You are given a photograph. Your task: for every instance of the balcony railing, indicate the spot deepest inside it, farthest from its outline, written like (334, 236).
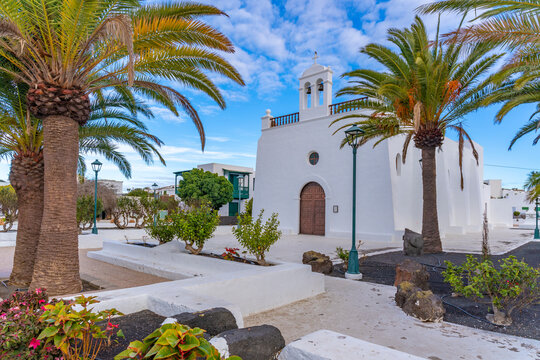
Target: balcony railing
(346, 106)
(241, 192)
(342, 107)
(285, 120)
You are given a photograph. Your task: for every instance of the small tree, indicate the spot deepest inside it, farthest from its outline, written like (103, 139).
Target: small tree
(256, 237)
(162, 230)
(8, 206)
(138, 192)
(200, 185)
(195, 226)
(85, 211)
(122, 211)
(511, 286)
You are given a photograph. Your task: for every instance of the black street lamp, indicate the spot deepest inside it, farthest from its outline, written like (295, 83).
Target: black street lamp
(96, 166)
(353, 136)
(155, 186)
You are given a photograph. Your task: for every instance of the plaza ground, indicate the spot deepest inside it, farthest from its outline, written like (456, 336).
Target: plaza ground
(359, 309)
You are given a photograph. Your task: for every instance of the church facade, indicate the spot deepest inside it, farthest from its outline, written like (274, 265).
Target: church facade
(304, 175)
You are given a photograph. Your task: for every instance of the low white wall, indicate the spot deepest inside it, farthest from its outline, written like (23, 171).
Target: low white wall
(242, 288)
(329, 345)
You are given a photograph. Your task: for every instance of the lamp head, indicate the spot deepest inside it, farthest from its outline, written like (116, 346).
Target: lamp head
(353, 135)
(96, 165)
(154, 186)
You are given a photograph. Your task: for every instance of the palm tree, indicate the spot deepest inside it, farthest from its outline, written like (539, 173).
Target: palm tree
(514, 25)
(510, 23)
(532, 186)
(424, 92)
(111, 122)
(67, 51)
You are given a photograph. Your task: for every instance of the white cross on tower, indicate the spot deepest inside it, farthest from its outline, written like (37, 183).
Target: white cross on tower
(315, 57)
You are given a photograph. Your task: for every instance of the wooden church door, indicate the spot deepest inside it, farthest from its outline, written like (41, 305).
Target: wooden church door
(312, 209)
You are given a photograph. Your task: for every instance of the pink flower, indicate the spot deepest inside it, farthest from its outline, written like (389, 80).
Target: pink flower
(43, 308)
(3, 316)
(111, 326)
(34, 343)
(39, 291)
(41, 301)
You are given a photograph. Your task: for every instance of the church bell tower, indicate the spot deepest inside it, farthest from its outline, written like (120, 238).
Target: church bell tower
(315, 91)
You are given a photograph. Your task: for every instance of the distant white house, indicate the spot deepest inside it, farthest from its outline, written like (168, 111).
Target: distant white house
(503, 203)
(242, 178)
(304, 175)
(166, 190)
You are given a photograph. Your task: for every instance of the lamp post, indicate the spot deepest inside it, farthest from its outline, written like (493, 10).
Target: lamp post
(536, 232)
(353, 135)
(96, 166)
(155, 186)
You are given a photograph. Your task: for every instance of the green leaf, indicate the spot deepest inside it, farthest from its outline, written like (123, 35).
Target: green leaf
(165, 352)
(48, 332)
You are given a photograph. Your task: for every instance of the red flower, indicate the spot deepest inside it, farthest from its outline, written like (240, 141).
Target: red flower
(34, 343)
(111, 326)
(41, 301)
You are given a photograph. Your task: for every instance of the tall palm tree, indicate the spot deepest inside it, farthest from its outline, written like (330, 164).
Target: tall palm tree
(425, 91)
(532, 186)
(67, 50)
(111, 122)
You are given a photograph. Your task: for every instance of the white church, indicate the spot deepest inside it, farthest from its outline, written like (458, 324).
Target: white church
(304, 176)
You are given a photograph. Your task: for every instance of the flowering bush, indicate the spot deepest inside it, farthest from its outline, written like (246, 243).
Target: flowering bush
(195, 226)
(20, 327)
(76, 333)
(173, 342)
(230, 253)
(511, 286)
(255, 236)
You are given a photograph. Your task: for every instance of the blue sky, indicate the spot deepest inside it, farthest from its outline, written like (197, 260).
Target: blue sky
(275, 41)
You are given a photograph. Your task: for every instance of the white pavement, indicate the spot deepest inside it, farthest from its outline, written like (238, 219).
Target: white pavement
(368, 312)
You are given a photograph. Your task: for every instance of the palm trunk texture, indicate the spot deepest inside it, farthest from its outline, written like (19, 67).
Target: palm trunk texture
(26, 177)
(430, 218)
(56, 266)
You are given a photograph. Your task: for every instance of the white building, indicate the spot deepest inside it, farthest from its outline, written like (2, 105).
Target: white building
(504, 202)
(242, 178)
(303, 175)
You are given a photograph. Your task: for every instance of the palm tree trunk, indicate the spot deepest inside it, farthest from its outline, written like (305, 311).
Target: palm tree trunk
(57, 261)
(26, 177)
(430, 219)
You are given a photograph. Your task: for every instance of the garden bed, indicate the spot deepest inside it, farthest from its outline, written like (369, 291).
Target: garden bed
(381, 269)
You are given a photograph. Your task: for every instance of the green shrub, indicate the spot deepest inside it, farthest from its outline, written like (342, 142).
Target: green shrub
(256, 237)
(198, 185)
(342, 254)
(511, 286)
(173, 342)
(161, 231)
(85, 211)
(248, 209)
(8, 206)
(73, 328)
(195, 226)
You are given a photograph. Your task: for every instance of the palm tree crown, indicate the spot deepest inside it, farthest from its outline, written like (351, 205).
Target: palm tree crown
(426, 89)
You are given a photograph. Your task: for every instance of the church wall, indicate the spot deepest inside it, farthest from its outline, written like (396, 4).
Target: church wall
(283, 170)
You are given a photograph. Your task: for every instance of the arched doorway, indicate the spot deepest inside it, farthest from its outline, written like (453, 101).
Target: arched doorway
(312, 209)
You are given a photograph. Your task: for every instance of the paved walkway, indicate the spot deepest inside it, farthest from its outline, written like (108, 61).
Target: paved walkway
(367, 311)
